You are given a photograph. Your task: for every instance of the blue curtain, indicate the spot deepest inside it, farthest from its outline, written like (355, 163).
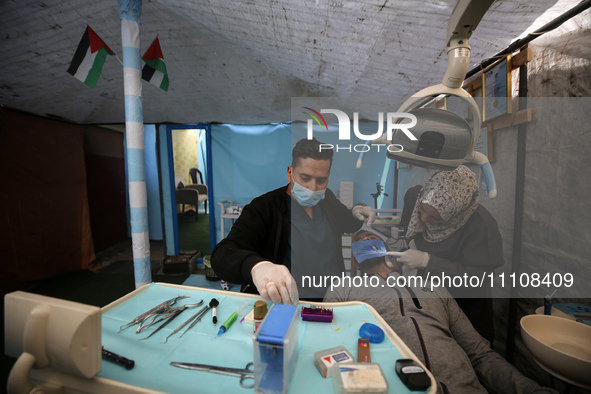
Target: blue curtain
(247, 161)
(152, 183)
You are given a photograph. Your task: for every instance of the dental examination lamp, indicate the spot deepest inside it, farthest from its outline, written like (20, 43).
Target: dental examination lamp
(445, 140)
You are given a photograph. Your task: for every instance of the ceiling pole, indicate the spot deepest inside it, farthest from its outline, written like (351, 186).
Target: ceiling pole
(130, 14)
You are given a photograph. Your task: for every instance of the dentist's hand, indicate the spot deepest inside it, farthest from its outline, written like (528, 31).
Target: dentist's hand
(365, 213)
(412, 258)
(275, 283)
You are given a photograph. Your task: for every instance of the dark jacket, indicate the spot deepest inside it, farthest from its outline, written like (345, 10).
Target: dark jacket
(438, 333)
(474, 249)
(262, 233)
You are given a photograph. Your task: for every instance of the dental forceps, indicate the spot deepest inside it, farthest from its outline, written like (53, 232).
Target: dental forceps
(173, 313)
(154, 311)
(197, 316)
(166, 310)
(244, 373)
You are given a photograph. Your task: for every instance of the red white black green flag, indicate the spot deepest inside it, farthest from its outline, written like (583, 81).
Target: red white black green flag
(89, 58)
(154, 70)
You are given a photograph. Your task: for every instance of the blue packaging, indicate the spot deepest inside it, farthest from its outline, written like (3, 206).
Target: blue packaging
(276, 349)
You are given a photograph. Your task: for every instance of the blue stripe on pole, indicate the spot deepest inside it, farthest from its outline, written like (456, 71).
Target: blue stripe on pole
(143, 270)
(134, 111)
(138, 218)
(132, 58)
(131, 10)
(136, 165)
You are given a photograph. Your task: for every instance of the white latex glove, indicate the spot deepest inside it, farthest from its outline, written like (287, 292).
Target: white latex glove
(365, 213)
(412, 258)
(275, 283)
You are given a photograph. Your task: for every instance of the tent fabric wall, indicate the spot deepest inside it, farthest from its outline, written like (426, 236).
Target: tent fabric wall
(152, 183)
(248, 161)
(170, 227)
(105, 178)
(202, 152)
(556, 225)
(45, 225)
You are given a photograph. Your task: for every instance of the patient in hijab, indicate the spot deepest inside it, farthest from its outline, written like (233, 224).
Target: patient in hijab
(431, 324)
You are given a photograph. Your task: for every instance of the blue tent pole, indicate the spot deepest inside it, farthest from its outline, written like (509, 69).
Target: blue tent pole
(210, 201)
(130, 14)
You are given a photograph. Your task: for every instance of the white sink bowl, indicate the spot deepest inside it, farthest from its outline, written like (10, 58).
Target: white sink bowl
(560, 346)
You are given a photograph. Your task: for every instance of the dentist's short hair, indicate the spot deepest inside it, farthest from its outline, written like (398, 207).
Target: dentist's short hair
(306, 148)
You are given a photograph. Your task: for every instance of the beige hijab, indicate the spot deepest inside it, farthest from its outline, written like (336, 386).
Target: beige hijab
(454, 194)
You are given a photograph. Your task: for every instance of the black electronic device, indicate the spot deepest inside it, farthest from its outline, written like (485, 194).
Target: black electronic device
(412, 375)
(430, 144)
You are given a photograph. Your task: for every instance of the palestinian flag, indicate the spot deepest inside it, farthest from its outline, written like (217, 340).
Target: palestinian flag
(89, 58)
(154, 70)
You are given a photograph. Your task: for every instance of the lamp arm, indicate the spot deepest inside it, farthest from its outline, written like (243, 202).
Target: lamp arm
(488, 182)
(464, 19)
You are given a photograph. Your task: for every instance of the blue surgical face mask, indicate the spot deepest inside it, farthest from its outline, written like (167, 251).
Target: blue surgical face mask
(306, 197)
(368, 249)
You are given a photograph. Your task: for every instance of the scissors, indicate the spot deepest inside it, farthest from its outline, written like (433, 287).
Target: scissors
(244, 373)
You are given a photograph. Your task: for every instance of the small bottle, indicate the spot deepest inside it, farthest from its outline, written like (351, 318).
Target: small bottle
(260, 310)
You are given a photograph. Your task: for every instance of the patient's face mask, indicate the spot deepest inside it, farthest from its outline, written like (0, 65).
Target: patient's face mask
(306, 197)
(368, 249)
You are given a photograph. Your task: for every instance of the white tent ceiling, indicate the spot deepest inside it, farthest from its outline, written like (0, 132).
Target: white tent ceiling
(243, 61)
